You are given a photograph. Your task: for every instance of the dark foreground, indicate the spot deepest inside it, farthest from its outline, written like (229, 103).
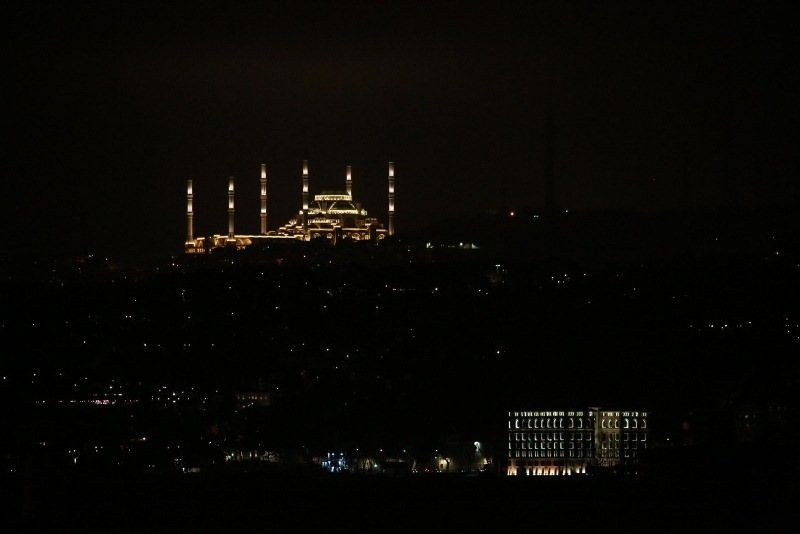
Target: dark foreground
(227, 502)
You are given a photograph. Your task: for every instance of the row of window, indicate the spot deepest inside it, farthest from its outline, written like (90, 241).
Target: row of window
(548, 454)
(549, 436)
(626, 436)
(576, 436)
(625, 446)
(617, 453)
(550, 445)
(551, 422)
(552, 454)
(627, 422)
(577, 422)
(606, 454)
(547, 414)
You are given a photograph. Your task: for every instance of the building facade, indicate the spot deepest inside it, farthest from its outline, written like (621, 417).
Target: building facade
(573, 442)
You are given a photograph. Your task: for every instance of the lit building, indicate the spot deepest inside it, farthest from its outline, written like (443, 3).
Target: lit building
(332, 215)
(570, 442)
(248, 399)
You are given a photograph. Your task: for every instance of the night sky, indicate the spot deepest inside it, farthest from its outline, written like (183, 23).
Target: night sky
(109, 109)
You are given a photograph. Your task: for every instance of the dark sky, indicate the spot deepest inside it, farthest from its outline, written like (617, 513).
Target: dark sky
(109, 109)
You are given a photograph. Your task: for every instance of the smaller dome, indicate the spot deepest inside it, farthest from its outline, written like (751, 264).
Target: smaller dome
(342, 205)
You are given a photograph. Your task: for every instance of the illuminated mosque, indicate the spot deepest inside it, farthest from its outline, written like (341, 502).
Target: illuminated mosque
(333, 215)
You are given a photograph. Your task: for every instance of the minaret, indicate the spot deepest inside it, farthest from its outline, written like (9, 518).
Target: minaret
(305, 195)
(189, 213)
(231, 209)
(391, 199)
(263, 199)
(349, 180)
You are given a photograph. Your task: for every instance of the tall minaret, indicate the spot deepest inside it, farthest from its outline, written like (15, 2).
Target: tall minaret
(349, 180)
(391, 199)
(230, 207)
(305, 195)
(189, 213)
(263, 199)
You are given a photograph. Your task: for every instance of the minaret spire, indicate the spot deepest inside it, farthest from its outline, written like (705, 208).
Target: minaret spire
(189, 213)
(392, 222)
(349, 180)
(305, 196)
(263, 214)
(231, 209)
